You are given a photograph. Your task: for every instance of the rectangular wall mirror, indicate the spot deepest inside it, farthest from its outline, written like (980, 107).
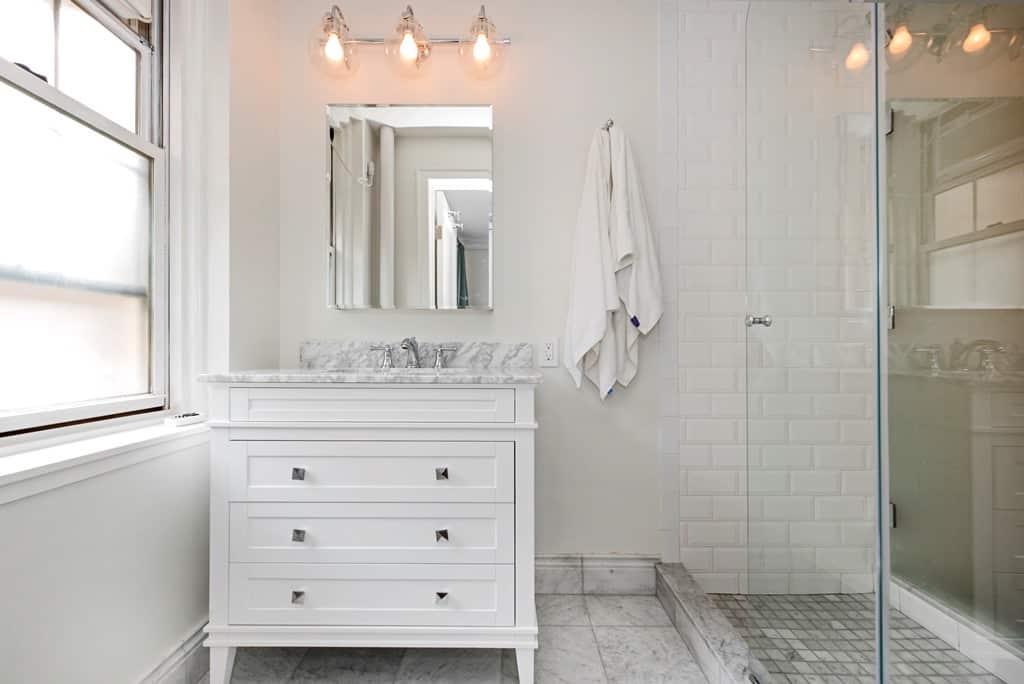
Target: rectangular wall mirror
(411, 211)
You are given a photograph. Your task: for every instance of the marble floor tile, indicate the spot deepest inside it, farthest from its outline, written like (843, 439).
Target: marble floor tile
(450, 666)
(626, 611)
(509, 669)
(265, 665)
(349, 665)
(646, 655)
(561, 609)
(568, 655)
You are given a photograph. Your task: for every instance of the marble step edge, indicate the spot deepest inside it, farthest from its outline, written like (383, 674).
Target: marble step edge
(721, 652)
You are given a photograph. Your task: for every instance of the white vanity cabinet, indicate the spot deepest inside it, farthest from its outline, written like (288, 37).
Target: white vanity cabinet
(395, 512)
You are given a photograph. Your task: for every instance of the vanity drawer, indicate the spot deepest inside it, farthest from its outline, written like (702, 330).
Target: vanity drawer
(407, 595)
(472, 472)
(372, 533)
(373, 404)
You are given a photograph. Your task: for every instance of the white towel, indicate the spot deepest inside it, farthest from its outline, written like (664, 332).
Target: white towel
(593, 296)
(615, 287)
(637, 276)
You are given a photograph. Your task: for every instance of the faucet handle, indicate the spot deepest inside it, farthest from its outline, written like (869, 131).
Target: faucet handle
(988, 353)
(439, 353)
(387, 361)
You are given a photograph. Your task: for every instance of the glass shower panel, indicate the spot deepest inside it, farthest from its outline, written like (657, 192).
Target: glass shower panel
(811, 329)
(954, 183)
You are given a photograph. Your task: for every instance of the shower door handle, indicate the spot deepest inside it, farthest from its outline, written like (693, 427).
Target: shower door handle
(766, 321)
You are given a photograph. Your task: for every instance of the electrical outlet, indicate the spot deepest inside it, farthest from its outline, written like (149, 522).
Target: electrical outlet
(549, 353)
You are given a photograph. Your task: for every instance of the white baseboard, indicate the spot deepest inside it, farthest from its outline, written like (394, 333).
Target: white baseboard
(186, 663)
(957, 631)
(595, 574)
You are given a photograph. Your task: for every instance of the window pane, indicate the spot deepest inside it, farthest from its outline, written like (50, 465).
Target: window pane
(26, 34)
(96, 67)
(74, 260)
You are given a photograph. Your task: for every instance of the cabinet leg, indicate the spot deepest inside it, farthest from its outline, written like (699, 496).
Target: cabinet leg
(524, 662)
(222, 661)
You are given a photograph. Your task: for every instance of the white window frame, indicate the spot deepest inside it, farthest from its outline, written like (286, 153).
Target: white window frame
(150, 85)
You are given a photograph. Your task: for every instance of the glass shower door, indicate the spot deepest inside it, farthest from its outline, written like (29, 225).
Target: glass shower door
(809, 183)
(954, 211)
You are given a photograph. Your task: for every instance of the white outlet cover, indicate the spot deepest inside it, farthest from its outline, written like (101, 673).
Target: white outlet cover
(548, 354)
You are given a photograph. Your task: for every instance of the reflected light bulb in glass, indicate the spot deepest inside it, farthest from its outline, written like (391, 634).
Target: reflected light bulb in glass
(333, 49)
(978, 39)
(481, 48)
(408, 49)
(857, 57)
(901, 40)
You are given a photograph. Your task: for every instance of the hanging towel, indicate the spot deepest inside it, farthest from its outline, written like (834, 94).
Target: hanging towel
(588, 347)
(463, 281)
(637, 276)
(615, 288)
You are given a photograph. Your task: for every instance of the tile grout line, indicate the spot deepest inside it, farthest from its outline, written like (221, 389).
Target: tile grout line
(593, 633)
(298, 664)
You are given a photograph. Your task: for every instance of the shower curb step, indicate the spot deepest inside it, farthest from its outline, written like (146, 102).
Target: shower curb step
(719, 649)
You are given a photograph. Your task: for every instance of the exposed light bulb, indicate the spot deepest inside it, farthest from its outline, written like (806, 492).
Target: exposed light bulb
(857, 57)
(481, 48)
(408, 49)
(978, 38)
(901, 40)
(333, 49)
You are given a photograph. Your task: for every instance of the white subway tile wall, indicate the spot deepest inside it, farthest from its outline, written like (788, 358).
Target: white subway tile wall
(765, 205)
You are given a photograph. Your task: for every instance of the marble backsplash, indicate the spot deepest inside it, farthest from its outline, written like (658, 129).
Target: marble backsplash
(335, 354)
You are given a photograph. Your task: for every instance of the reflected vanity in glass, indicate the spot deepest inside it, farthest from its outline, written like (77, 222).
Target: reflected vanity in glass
(955, 192)
(411, 211)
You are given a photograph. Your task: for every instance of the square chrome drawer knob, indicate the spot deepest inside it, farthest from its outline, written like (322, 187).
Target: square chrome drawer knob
(440, 474)
(441, 535)
(298, 473)
(441, 597)
(298, 535)
(298, 597)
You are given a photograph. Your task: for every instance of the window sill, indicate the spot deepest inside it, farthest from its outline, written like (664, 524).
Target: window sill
(35, 470)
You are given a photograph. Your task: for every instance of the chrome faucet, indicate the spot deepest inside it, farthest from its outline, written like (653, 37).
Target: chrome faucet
(959, 354)
(385, 362)
(412, 352)
(439, 353)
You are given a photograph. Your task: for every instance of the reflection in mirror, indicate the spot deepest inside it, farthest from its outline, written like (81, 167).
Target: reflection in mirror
(411, 210)
(956, 203)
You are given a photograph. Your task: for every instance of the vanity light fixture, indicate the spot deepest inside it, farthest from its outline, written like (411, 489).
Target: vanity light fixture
(333, 47)
(963, 28)
(979, 36)
(900, 38)
(858, 56)
(409, 49)
(900, 41)
(481, 51)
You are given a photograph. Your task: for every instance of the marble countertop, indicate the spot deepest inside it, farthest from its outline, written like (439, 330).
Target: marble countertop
(1008, 379)
(405, 376)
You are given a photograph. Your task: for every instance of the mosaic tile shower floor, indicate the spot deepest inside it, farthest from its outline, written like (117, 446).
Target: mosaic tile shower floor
(829, 639)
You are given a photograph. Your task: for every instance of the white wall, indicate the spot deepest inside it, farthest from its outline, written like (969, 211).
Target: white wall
(572, 65)
(105, 577)
(255, 216)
